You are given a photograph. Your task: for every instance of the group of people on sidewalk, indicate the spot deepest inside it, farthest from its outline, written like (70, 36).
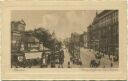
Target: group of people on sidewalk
(101, 58)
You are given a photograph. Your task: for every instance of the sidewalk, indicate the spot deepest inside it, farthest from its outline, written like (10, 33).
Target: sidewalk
(105, 62)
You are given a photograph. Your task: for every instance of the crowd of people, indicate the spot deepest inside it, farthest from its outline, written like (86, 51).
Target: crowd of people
(47, 58)
(99, 55)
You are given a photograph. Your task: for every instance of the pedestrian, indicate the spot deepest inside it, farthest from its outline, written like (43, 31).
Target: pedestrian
(68, 64)
(29, 63)
(59, 66)
(103, 54)
(14, 61)
(109, 56)
(104, 66)
(111, 64)
(52, 65)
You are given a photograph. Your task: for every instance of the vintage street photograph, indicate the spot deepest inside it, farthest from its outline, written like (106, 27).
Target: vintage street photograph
(64, 80)
(64, 39)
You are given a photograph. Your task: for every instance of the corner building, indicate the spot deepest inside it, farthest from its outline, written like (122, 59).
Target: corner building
(103, 33)
(17, 30)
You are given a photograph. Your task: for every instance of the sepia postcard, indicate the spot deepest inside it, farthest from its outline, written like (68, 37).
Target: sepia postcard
(64, 80)
(64, 40)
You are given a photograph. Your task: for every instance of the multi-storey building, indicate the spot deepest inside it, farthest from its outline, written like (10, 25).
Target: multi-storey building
(89, 39)
(17, 30)
(103, 33)
(30, 42)
(83, 39)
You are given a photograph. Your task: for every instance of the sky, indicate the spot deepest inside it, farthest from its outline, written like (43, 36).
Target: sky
(62, 22)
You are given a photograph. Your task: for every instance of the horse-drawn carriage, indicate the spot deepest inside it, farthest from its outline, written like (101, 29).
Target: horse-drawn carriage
(76, 60)
(45, 60)
(75, 55)
(18, 59)
(57, 58)
(94, 63)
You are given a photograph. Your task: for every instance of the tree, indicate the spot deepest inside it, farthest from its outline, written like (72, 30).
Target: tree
(46, 38)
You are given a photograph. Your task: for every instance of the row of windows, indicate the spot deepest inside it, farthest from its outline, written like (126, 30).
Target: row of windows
(109, 16)
(19, 27)
(109, 19)
(106, 31)
(108, 22)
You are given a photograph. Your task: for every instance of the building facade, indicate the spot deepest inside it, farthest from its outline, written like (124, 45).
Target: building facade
(83, 39)
(89, 37)
(17, 30)
(103, 33)
(30, 42)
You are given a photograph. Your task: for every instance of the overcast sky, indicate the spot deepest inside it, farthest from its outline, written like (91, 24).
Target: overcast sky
(61, 22)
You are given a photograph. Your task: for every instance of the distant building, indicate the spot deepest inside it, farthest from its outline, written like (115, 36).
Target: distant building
(89, 37)
(17, 30)
(103, 33)
(83, 39)
(18, 26)
(75, 44)
(75, 37)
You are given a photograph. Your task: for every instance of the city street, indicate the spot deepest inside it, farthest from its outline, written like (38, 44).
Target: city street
(86, 56)
(66, 58)
(53, 46)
